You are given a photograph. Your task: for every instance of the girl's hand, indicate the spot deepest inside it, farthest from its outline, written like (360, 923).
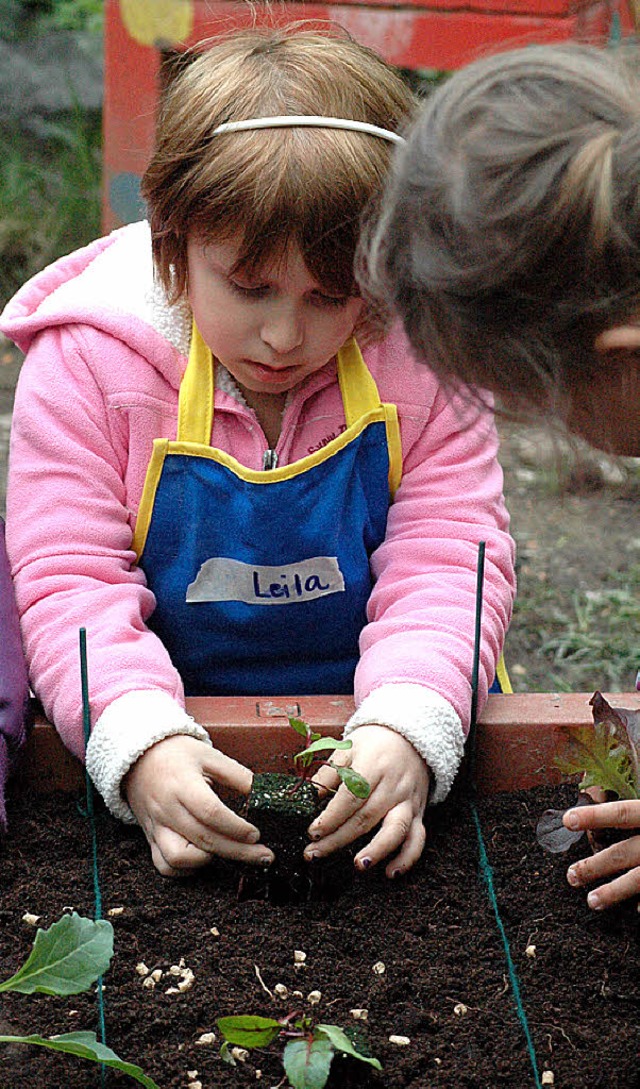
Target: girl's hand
(399, 781)
(622, 856)
(169, 790)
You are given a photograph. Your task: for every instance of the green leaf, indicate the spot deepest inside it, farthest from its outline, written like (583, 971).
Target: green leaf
(249, 1031)
(621, 723)
(341, 1042)
(596, 754)
(85, 1046)
(65, 959)
(353, 781)
(301, 728)
(307, 1062)
(322, 744)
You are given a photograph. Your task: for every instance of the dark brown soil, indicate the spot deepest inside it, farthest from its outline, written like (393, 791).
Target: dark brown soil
(446, 983)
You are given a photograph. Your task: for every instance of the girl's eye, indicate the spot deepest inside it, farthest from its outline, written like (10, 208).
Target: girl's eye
(249, 292)
(329, 301)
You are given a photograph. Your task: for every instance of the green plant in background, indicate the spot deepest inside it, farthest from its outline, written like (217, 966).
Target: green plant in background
(75, 15)
(309, 1048)
(19, 18)
(66, 959)
(599, 632)
(50, 187)
(49, 199)
(593, 632)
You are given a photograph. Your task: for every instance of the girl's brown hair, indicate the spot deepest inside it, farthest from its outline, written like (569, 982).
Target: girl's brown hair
(509, 237)
(272, 187)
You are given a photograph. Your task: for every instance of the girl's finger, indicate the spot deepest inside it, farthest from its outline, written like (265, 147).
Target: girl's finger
(182, 850)
(615, 892)
(393, 832)
(226, 771)
(205, 810)
(174, 856)
(410, 852)
(342, 831)
(620, 814)
(345, 810)
(620, 856)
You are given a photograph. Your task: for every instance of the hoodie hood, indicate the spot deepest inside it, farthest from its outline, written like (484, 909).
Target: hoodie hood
(109, 285)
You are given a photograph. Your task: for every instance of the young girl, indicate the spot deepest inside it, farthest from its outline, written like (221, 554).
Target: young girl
(509, 242)
(208, 475)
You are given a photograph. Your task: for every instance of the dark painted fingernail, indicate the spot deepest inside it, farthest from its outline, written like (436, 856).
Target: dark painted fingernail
(365, 863)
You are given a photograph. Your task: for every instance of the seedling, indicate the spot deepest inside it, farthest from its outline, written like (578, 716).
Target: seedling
(309, 1048)
(282, 806)
(66, 959)
(309, 759)
(607, 757)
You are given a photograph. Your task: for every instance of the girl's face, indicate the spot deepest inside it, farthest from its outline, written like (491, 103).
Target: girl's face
(270, 330)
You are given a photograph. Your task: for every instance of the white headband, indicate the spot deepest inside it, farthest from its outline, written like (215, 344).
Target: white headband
(308, 121)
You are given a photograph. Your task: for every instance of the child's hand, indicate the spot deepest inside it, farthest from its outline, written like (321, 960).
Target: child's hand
(186, 823)
(624, 855)
(399, 781)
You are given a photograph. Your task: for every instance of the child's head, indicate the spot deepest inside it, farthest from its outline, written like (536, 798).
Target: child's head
(276, 188)
(509, 239)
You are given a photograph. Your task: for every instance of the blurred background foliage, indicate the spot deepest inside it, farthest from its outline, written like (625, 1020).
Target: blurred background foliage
(22, 17)
(49, 173)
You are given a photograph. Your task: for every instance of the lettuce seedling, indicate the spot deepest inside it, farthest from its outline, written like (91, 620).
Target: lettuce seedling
(309, 1048)
(66, 959)
(605, 756)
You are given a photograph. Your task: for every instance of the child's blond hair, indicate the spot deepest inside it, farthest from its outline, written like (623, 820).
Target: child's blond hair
(510, 234)
(272, 187)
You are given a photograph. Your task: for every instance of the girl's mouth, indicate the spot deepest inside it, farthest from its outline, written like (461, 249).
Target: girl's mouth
(272, 374)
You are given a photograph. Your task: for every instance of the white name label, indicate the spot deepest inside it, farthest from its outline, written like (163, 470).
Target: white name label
(223, 579)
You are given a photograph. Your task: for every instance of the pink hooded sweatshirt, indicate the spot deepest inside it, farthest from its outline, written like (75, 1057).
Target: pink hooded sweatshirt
(105, 355)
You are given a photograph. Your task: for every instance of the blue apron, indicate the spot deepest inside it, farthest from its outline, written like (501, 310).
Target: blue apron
(262, 578)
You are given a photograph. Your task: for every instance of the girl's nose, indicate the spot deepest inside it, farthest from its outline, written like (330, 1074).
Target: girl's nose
(283, 330)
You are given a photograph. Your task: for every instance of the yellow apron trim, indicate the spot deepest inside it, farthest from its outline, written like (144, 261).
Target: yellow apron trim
(151, 481)
(359, 395)
(357, 385)
(394, 446)
(197, 390)
(503, 678)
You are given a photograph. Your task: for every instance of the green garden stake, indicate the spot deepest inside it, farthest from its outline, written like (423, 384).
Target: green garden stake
(615, 33)
(484, 864)
(97, 895)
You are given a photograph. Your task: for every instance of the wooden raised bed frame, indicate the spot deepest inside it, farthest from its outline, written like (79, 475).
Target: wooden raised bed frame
(517, 737)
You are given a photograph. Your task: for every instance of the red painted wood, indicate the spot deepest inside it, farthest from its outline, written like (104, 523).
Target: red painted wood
(440, 34)
(518, 735)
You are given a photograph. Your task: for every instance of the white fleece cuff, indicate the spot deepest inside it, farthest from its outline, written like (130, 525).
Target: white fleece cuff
(127, 728)
(426, 719)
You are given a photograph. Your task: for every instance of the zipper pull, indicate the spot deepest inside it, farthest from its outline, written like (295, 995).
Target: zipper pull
(270, 460)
